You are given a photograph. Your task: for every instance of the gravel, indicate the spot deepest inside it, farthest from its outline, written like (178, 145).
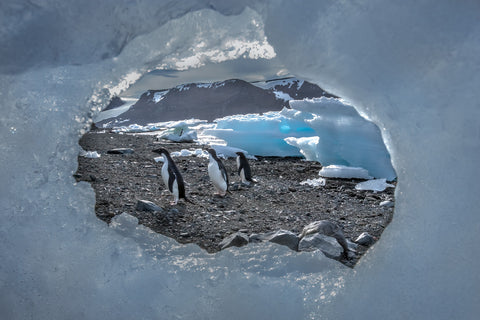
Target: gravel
(277, 201)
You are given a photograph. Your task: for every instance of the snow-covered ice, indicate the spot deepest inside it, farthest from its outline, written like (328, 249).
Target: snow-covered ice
(340, 171)
(374, 185)
(411, 67)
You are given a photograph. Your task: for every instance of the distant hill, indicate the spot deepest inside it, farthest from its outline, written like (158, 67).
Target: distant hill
(209, 101)
(115, 102)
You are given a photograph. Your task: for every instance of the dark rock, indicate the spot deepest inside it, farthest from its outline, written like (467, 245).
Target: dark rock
(283, 237)
(120, 151)
(145, 205)
(237, 239)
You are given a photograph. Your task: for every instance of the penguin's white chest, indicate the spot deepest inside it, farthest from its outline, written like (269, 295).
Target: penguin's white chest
(216, 176)
(242, 172)
(165, 174)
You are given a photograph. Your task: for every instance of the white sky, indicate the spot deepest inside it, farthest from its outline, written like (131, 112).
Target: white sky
(241, 68)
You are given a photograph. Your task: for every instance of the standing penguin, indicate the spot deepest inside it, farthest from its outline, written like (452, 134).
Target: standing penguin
(244, 168)
(218, 173)
(171, 176)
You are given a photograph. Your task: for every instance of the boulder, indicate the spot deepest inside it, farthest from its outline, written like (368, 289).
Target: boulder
(327, 228)
(328, 245)
(282, 237)
(237, 239)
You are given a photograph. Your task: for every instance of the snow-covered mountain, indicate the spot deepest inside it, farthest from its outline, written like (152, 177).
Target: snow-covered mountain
(209, 101)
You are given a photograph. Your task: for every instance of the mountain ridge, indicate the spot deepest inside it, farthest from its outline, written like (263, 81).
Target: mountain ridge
(209, 101)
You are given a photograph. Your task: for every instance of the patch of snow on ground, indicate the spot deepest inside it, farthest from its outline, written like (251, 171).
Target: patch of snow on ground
(374, 185)
(314, 182)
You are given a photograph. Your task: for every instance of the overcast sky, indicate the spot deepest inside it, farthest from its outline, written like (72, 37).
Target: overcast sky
(245, 69)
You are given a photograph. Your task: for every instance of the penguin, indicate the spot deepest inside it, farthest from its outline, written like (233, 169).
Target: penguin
(218, 173)
(244, 168)
(171, 176)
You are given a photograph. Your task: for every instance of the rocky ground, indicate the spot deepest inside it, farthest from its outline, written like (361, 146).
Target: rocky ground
(277, 201)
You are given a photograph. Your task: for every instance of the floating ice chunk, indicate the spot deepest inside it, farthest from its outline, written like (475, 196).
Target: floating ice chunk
(319, 182)
(374, 185)
(307, 146)
(340, 171)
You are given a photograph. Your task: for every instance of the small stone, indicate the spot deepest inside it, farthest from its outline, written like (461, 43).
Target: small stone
(365, 239)
(387, 204)
(120, 151)
(145, 205)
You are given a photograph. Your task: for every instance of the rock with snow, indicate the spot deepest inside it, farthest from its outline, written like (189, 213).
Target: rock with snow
(387, 203)
(365, 239)
(327, 228)
(374, 185)
(237, 239)
(120, 151)
(328, 245)
(145, 205)
(283, 237)
(90, 154)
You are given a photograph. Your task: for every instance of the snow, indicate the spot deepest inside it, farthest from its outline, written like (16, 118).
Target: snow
(345, 172)
(107, 114)
(415, 73)
(374, 185)
(282, 95)
(280, 82)
(90, 154)
(318, 182)
(158, 96)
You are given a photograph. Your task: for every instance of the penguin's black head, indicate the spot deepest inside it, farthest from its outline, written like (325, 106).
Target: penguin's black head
(239, 153)
(161, 151)
(212, 152)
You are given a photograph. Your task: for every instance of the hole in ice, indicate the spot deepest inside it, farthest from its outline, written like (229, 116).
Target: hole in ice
(288, 194)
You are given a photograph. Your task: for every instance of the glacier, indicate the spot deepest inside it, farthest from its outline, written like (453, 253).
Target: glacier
(411, 67)
(323, 129)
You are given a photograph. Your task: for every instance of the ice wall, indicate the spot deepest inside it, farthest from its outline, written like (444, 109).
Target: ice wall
(411, 66)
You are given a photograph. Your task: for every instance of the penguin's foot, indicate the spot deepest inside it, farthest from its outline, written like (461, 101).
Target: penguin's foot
(219, 195)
